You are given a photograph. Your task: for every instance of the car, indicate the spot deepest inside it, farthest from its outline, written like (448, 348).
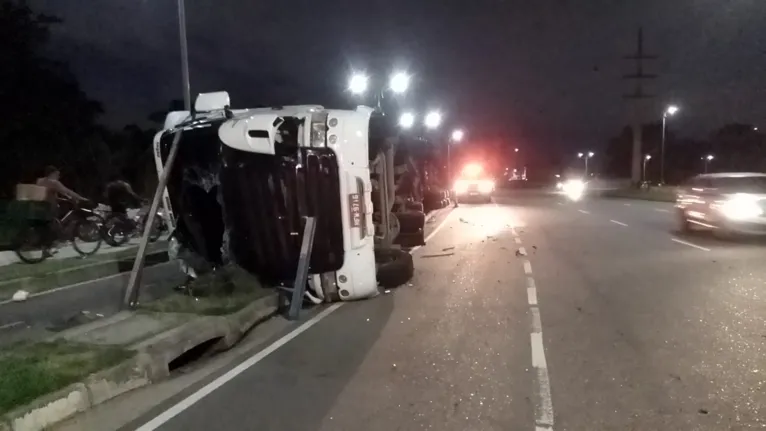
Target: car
(474, 184)
(733, 202)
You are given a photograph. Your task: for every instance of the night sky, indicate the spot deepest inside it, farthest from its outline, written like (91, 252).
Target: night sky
(536, 73)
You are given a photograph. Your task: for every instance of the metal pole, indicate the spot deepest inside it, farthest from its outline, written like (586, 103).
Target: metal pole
(706, 164)
(586, 166)
(644, 171)
(449, 165)
(131, 291)
(662, 151)
(184, 55)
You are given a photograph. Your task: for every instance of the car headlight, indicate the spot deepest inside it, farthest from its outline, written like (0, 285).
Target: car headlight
(574, 189)
(741, 207)
(486, 186)
(461, 186)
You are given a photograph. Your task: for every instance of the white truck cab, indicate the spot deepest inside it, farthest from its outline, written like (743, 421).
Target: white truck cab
(271, 159)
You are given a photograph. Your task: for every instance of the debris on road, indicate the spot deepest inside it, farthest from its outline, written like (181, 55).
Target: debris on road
(20, 295)
(448, 248)
(428, 256)
(520, 253)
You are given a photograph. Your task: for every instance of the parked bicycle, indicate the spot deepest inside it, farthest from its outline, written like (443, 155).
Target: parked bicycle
(80, 226)
(119, 228)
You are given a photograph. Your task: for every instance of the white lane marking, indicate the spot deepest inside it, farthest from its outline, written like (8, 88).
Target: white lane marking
(662, 210)
(584, 212)
(71, 286)
(518, 240)
(192, 399)
(11, 325)
(618, 222)
(689, 244)
(537, 325)
(627, 205)
(545, 409)
(559, 203)
(527, 267)
(544, 401)
(522, 251)
(538, 351)
(216, 384)
(532, 295)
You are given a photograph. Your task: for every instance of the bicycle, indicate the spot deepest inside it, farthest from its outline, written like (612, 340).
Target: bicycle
(79, 225)
(119, 228)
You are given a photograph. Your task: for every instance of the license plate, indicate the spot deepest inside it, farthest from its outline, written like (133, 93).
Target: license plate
(355, 209)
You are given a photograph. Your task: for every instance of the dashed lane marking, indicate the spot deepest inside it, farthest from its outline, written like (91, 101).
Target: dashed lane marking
(619, 223)
(698, 247)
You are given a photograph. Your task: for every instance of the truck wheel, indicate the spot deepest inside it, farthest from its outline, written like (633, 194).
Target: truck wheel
(394, 267)
(411, 221)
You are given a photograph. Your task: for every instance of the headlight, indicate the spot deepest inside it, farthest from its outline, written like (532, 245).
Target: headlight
(486, 186)
(461, 186)
(574, 189)
(741, 207)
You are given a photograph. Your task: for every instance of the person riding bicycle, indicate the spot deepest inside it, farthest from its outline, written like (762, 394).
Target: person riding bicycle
(120, 196)
(56, 189)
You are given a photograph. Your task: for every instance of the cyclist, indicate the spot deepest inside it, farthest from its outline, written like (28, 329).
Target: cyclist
(120, 196)
(55, 189)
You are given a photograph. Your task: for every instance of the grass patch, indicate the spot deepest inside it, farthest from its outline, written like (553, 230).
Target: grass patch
(42, 269)
(666, 194)
(31, 370)
(227, 291)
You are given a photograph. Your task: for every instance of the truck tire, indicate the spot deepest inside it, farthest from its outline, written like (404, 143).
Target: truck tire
(394, 267)
(414, 206)
(411, 221)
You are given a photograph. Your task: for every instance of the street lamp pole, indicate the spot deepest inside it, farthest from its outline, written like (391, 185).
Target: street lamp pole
(670, 110)
(646, 159)
(707, 160)
(585, 156)
(184, 55)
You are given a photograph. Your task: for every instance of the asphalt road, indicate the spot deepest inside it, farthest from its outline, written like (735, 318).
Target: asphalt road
(608, 323)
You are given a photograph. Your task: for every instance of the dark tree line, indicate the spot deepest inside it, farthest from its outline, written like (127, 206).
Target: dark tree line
(735, 147)
(47, 119)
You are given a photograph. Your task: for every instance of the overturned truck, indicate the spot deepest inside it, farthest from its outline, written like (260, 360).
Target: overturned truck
(245, 180)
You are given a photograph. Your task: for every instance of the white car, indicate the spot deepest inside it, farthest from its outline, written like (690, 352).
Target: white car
(732, 202)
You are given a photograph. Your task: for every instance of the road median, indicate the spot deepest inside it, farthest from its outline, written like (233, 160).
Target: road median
(129, 350)
(53, 274)
(657, 194)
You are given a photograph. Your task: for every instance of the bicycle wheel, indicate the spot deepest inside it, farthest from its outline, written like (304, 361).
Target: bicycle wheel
(31, 244)
(115, 231)
(86, 236)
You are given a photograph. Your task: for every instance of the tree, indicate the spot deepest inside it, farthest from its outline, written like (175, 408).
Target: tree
(46, 117)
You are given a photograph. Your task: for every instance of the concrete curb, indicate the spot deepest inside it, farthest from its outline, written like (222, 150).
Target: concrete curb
(149, 365)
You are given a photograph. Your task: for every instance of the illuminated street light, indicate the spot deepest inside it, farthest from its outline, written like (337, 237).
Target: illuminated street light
(407, 120)
(457, 135)
(516, 150)
(400, 82)
(433, 120)
(669, 112)
(358, 83)
(586, 157)
(647, 157)
(707, 160)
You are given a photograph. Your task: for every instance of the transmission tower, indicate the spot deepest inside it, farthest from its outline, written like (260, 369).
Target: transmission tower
(636, 100)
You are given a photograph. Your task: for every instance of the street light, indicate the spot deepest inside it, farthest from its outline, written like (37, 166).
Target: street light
(647, 157)
(433, 120)
(516, 150)
(399, 83)
(586, 157)
(707, 160)
(407, 120)
(669, 111)
(457, 135)
(358, 83)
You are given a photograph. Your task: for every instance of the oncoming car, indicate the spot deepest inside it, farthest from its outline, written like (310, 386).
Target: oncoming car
(473, 183)
(724, 202)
